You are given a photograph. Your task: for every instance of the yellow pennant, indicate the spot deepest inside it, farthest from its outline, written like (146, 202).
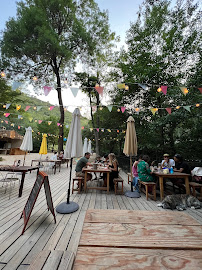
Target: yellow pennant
(121, 86)
(154, 110)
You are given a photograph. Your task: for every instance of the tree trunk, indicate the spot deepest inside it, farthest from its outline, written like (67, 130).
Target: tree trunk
(62, 115)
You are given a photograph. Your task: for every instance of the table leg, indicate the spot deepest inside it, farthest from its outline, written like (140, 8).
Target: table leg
(60, 166)
(55, 168)
(187, 185)
(85, 179)
(108, 183)
(161, 188)
(21, 184)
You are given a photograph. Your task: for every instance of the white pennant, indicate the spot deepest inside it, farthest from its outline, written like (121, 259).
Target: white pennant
(74, 91)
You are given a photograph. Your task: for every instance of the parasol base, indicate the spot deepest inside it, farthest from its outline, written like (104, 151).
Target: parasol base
(132, 194)
(67, 208)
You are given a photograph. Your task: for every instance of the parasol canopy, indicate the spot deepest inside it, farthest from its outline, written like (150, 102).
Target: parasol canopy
(85, 146)
(130, 145)
(89, 147)
(43, 148)
(74, 146)
(27, 144)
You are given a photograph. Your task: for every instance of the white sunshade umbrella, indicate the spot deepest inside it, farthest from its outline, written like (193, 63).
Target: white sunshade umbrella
(27, 143)
(85, 146)
(74, 148)
(89, 147)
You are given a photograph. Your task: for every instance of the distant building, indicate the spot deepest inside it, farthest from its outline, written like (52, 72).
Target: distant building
(10, 142)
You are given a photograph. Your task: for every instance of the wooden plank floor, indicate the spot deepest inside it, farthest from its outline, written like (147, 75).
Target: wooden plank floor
(17, 252)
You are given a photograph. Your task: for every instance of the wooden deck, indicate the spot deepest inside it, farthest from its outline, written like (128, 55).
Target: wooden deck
(42, 234)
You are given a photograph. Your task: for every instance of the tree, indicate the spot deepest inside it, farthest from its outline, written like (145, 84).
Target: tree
(48, 37)
(164, 47)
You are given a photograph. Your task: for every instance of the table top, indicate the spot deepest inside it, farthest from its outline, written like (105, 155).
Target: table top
(18, 169)
(99, 169)
(46, 160)
(170, 174)
(126, 239)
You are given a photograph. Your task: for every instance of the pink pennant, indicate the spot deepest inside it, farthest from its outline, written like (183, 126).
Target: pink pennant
(51, 107)
(18, 127)
(200, 89)
(6, 122)
(7, 114)
(168, 110)
(123, 109)
(47, 90)
(97, 129)
(27, 108)
(40, 121)
(99, 89)
(164, 89)
(82, 127)
(58, 124)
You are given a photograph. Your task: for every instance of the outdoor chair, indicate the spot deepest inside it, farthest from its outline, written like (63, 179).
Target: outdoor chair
(9, 179)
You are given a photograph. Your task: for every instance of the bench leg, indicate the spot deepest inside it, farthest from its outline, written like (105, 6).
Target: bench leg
(122, 187)
(154, 192)
(147, 192)
(194, 191)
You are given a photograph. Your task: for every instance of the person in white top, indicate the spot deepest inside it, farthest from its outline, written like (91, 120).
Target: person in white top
(167, 162)
(54, 156)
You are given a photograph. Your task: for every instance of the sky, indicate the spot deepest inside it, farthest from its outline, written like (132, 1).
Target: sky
(120, 14)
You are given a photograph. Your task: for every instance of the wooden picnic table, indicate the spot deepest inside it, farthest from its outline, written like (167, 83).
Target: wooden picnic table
(126, 239)
(17, 169)
(100, 169)
(163, 176)
(56, 162)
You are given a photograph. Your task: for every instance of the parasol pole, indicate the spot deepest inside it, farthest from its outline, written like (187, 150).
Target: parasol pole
(131, 171)
(24, 158)
(70, 177)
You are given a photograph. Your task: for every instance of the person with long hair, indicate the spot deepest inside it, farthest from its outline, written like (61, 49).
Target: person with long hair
(113, 165)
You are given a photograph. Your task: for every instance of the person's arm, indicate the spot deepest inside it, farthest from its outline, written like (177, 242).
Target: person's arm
(148, 169)
(180, 170)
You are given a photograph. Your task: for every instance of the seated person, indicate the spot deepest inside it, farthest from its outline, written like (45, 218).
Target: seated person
(143, 170)
(113, 165)
(181, 167)
(106, 159)
(61, 155)
(82, 163)
(54, 156)
(167, 162)
(135, 174)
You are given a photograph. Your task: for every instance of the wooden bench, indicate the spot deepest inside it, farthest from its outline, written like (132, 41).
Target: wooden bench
(116, 185)
(53, 260)
(80, 181)
(147, 185)
(129, 177)
(193, 186)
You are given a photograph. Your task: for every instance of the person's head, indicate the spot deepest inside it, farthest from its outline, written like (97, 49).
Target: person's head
(178, 158)
(106, 156)
(166, 157)
(55, 153)
(87, 155)
(146, 158)
(140, 157)
(98, 158)
(112, 158)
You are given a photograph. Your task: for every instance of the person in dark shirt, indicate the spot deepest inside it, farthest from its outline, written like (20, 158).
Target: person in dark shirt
(83, 162)
(180, 165)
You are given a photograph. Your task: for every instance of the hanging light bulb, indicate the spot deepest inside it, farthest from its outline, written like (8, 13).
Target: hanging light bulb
(118, 110)
(137, 109)
(101, 108)
(3, 74)
(159, 89)
(35, 78)
(34, 108)
(97, 85)
(126, 87)
(197, 105)
(4, 106)
(177, 107)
